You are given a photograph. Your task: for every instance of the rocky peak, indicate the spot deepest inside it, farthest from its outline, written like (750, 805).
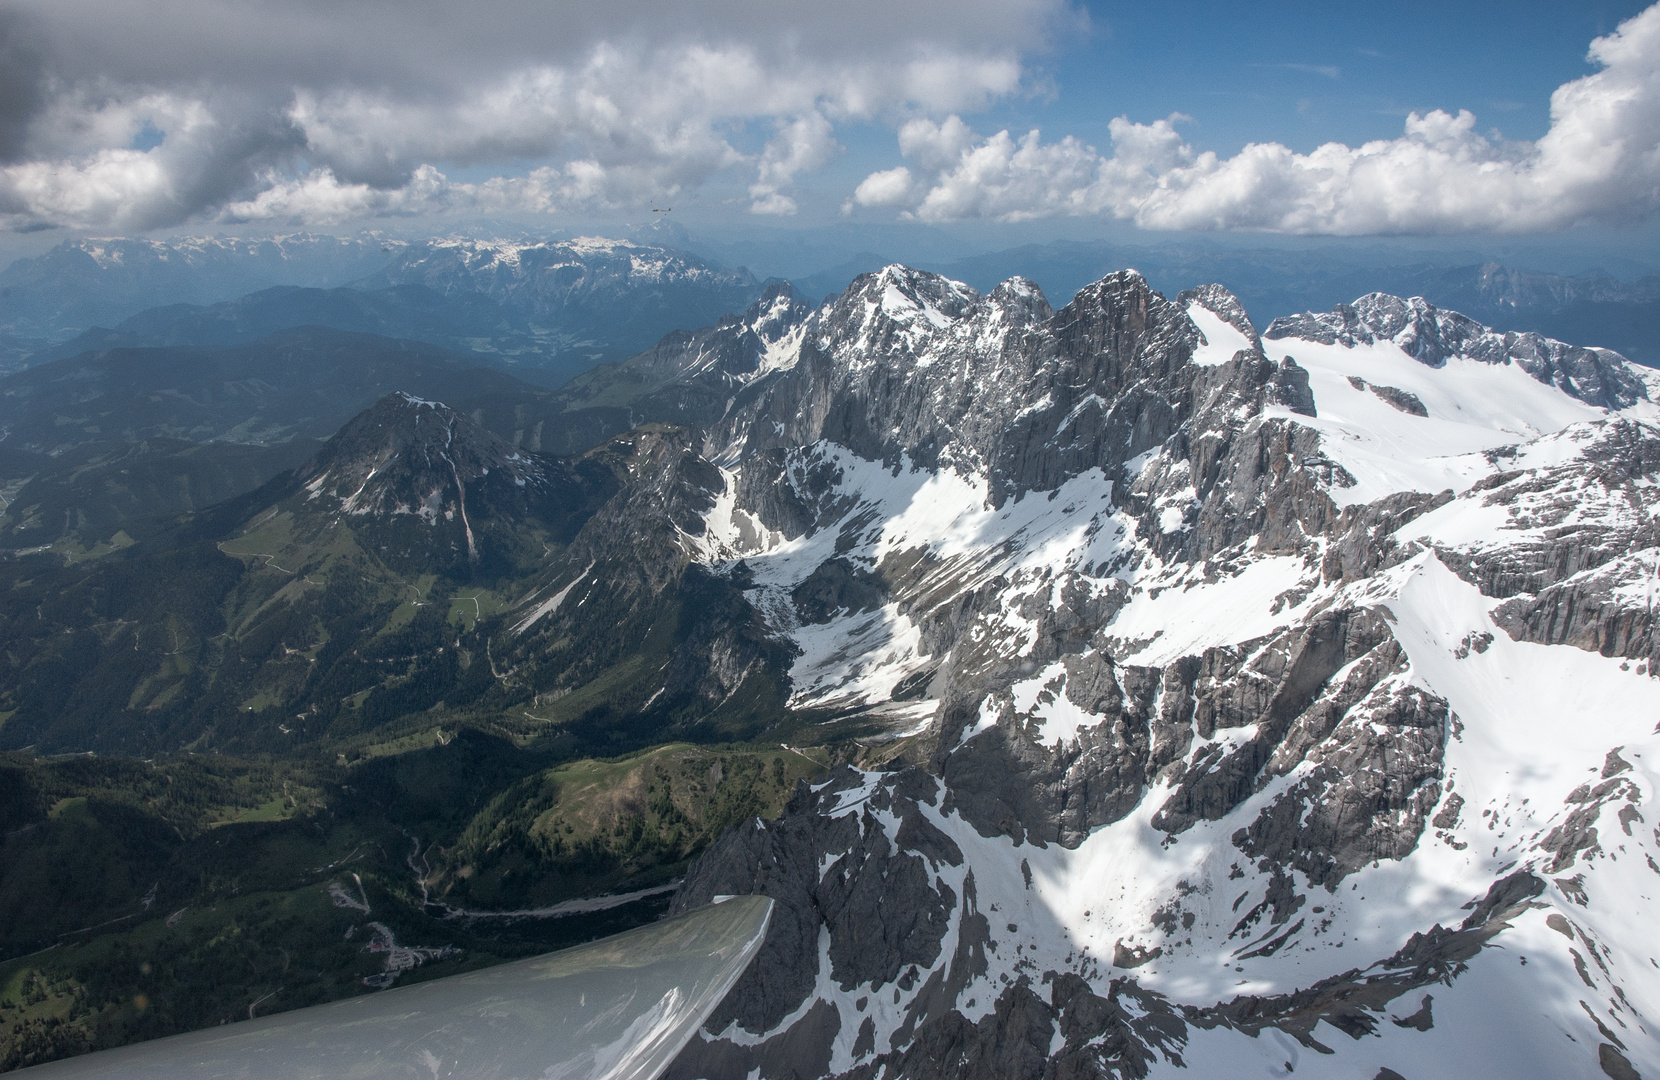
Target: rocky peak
(776, 314)
(407, 455)
(894, 309)
(1113, 326)
(1417, 326)
(1022, 295)
(1217, 300)
(909, 364)
(736, 349)
(902, 292)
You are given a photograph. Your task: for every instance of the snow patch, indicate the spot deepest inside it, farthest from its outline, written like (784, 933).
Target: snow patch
(1219, 339)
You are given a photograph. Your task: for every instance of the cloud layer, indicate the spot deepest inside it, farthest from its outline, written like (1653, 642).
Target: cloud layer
(316, 112)
(131, 117)
(1600, 161)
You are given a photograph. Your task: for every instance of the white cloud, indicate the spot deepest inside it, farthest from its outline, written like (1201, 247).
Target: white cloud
(319, 197)
(290, 108)
(122, 187)
(936, 146)
(1600, 161)
(802, 145)
(891, 187)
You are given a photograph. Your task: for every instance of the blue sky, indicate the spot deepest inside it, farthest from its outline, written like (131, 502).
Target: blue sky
(242, 115)
(1306, 73)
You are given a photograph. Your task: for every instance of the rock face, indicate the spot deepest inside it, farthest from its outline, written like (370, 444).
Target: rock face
(408, 459)
(408, 455)
(1222, 690)
(1245, 684)
(1230, 689)
(691, 376)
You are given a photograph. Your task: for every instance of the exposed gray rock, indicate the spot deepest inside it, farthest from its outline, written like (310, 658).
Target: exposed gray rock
(1361, 540)
(1568, 578)
(1322, 721)
(1403, 400)
(1100, 1036)
(1291, 388)
(1368, 795)
(1007, 782)
(1035, 396)
(691, 377)
(880, 905)
(1615, 1064)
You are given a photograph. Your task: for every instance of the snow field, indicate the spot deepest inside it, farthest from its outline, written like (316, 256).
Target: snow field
(1473, 407)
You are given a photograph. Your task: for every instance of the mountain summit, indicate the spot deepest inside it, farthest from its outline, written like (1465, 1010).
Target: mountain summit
(407, 455)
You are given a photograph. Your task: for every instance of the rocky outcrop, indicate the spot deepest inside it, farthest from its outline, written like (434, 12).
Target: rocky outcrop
(630, 587)
(857, 910)
(690, 377)
(410, 462)
(1578, 566)
(394, 457)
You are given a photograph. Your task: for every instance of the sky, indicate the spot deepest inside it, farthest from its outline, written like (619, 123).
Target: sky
(1029, 117)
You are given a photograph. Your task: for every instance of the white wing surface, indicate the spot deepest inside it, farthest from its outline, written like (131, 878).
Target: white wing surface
(616, 1009)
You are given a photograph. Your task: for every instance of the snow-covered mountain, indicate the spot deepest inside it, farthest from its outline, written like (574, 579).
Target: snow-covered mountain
(1269, 702)
(689, 377)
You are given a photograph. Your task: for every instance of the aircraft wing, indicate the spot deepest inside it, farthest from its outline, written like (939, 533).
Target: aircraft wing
(616, 1009)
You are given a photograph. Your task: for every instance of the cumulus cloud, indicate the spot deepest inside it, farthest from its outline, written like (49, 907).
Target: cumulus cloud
(315, 110)
(803, 145)
(1600, 161)
(890, 187)
(319, 197)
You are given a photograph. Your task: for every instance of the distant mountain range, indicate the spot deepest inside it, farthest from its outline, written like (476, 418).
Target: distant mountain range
(99, 282)
(552, 308)
(303, 382)
(467, 321)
